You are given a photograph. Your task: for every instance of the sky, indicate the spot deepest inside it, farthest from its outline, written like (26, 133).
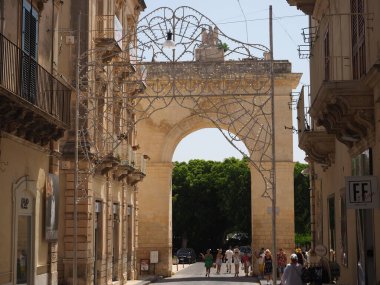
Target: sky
(246, 21)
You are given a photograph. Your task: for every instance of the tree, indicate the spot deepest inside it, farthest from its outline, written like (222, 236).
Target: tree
(301, 200)
(210, 199)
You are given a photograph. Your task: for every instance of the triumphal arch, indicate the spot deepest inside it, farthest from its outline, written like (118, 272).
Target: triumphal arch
(193, 76)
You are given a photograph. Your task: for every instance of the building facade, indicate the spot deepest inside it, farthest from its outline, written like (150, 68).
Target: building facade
(69, 211)
(338, 122)
(35, 113)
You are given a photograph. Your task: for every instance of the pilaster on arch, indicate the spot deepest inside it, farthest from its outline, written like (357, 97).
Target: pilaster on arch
(261, 207)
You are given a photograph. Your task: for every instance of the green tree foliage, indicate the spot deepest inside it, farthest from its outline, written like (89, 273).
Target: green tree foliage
(210, 199)
(301, 200)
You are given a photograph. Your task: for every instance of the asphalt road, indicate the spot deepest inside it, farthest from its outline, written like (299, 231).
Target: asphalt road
(195, 274)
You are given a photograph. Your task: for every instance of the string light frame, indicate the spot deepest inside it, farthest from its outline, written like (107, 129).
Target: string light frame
(120, 88)
(220, 79)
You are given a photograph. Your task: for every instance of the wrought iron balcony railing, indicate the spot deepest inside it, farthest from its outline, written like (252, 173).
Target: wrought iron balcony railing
(23, 77)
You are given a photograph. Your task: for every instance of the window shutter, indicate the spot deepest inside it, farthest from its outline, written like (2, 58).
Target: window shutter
(30, 52)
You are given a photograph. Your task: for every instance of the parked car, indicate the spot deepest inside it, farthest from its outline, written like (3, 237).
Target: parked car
(186, 255)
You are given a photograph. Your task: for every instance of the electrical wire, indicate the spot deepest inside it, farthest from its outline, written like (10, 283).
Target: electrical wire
(245, 20)
(260, 19)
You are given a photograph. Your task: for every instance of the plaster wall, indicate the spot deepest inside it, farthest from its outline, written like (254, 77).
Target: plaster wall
(22, 159)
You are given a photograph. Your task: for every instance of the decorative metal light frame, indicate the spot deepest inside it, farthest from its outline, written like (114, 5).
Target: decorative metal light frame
(233, 89)
(234, 93)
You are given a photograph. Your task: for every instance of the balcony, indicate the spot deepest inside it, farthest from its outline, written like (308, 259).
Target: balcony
(318, 145)
(125, 167)
(340, 103)
(345, 109)
(109, 36)
(139, 168)
(306, 6)
(34, 105)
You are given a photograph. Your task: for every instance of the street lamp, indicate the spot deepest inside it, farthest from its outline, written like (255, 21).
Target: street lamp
(169, 43)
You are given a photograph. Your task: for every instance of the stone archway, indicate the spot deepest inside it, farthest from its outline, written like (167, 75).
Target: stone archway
(159, 136)
(199, 85)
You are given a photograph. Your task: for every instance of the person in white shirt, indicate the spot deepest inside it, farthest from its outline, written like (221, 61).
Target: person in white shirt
(292, 273)
(236, 261)
(229, 253)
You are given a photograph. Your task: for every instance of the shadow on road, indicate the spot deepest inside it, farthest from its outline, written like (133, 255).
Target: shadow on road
(212, 278)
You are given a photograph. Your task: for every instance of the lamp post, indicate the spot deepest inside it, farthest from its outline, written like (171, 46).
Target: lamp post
(273, 175)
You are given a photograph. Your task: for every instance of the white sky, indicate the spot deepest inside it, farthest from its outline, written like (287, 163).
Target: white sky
(288, 22)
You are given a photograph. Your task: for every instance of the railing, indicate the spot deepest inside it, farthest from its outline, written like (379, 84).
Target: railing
(303, 117)
(109, 28)
(330, 46)
(140, 162)
(22, 76)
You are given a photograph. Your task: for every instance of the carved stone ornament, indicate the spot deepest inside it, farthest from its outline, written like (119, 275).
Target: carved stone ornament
(345, 109)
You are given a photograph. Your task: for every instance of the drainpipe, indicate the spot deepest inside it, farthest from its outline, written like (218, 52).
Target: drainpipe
(312, 204)
(2, 16)
(52, 37)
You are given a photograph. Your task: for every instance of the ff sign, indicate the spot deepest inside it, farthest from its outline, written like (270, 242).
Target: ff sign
(362, 192)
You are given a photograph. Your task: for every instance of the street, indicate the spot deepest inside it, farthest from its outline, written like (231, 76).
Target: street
(195, 274)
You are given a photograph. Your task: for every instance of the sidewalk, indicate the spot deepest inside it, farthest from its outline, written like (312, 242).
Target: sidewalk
(147, 279)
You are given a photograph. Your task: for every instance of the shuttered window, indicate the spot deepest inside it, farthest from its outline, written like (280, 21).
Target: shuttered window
(358, 39)
(30, 52)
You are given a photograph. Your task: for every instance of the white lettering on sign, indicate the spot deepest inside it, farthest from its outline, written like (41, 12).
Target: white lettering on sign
(362, 192)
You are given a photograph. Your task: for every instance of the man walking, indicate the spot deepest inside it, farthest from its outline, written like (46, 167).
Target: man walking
(229, 253)
(292, 272)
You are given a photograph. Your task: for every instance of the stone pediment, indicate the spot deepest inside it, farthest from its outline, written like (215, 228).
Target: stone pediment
(345, 109)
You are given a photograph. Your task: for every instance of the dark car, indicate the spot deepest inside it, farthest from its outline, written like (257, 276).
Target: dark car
(186, 255)
(246, 249)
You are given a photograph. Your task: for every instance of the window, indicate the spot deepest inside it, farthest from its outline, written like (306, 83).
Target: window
(326, 50)
(30, 52)
(332, 232)
(115, 241)
(358, 39)
(98, 226)
(365, 239)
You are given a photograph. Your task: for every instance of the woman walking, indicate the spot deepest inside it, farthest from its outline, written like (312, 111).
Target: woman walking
(236, 261)
(268, 265)
(208, 258)
(218, 261)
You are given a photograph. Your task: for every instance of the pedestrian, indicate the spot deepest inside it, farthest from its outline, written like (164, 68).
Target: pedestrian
(208, 259)
(255, 264)
(268, 265)
(236, 257)
(246, 263)
(281, 262)
(300, 256)
(260, 261)
(218, 260)
(228, 255)
(292, 272)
